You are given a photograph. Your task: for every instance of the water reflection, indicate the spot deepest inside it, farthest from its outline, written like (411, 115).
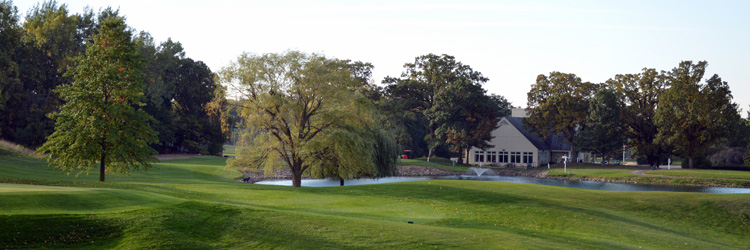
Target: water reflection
(515, 179)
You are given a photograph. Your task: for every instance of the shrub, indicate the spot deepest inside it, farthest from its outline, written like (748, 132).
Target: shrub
(729, 156)
(698, 162)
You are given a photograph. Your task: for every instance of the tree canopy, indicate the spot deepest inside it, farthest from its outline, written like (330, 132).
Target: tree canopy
(415, 91)
(603, 133)
(303, 111)
(691, 116)
(36, 55)
(558, 104)
(464, 117)
(101, 121)
(184, 99)
(639, 97)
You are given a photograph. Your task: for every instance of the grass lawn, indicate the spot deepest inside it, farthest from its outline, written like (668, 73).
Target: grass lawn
(435, 162)
(195, 204)
(667, 177)
(591, 173)
(726, 174)
(230, 150)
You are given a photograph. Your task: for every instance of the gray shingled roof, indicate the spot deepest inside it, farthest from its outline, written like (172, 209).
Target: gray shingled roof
(553, 142)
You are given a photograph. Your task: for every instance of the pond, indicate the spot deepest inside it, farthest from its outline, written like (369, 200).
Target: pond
(609, 186)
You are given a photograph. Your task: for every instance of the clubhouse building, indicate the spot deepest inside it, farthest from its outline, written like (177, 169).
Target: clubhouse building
(514, 145)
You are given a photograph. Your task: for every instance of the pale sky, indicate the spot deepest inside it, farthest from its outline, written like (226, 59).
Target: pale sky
(510, 42)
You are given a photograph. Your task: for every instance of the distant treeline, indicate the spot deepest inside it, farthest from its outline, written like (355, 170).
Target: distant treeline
(36, 55)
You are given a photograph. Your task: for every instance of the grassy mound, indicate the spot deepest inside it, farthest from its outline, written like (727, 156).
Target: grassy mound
(196, 204)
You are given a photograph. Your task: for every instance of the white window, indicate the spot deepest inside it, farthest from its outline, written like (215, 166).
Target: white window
(478, 156)
(528, 157)
(515, 157)
(491, 156)
(503, 157)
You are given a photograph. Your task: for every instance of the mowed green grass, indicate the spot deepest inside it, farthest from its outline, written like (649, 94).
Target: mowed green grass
(726, 174)
(435, 162)
(198, 205)
(230, 150)
(591, 173)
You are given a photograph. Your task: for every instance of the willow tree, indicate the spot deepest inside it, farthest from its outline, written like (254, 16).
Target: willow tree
(101, 122)
(303, 112)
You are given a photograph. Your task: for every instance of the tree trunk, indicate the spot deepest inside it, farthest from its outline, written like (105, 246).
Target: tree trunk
(461, 156)
(296, 177)
(652, 160)
(101, 167)
(573, 154)
(690, 162)
(341, 183)
(429, 153)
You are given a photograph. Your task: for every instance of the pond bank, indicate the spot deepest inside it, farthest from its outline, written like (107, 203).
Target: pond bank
(404, 171)
(425, 171)
(661, 180)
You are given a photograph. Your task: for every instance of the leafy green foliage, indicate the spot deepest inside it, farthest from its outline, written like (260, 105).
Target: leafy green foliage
(304, 110)
(188, 106)
(10, 39)
(640, 97)
(193, 88)
(42, 52)
(559, 103)
(464, 117)
(503, 105)
(692, 116)
(100, 122)
(420, 83)
(603, 133)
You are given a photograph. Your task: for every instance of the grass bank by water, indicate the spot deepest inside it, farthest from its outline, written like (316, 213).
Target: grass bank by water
(723, 178)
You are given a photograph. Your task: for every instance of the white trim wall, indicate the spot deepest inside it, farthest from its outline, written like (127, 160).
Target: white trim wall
(511, 142)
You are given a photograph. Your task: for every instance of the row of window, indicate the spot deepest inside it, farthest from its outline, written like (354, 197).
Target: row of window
(502, 157)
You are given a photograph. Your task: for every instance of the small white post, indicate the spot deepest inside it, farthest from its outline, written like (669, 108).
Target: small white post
(669, 163)
(547, 165)
(565, 163)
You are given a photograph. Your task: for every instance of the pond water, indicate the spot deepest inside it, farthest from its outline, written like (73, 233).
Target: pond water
(516, 179)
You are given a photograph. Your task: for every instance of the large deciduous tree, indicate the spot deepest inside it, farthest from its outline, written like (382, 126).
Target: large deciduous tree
(303, 112)
(101, 122)
(639, 95)
(49, 40)
(10, 41)
(558, 104)
(48, 44)
(464, 117)
(503, 105)
(691, 116)
(193, 88)
(184, 99)
(604, 131)
(424, 79)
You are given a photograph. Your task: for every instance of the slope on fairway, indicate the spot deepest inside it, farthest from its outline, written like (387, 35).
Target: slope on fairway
(35, 199)
(193, 203)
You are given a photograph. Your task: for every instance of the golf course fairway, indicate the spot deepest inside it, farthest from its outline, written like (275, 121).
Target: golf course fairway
(197, 204)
